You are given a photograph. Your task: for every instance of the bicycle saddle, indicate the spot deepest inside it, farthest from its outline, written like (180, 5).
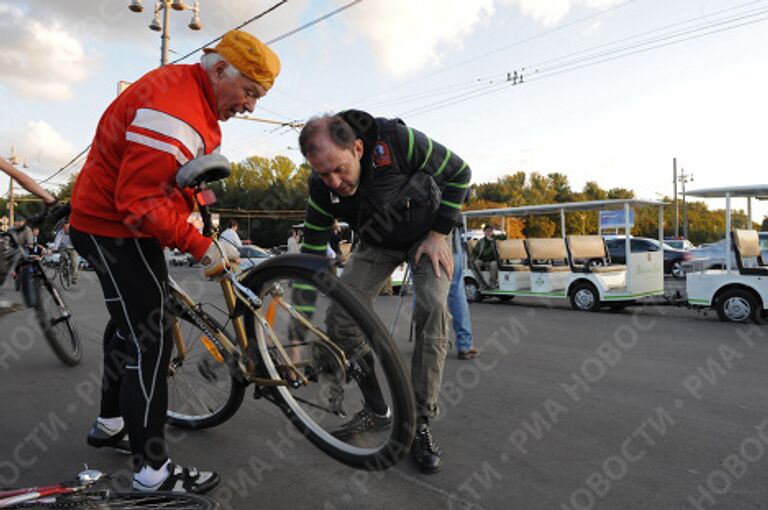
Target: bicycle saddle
(208, 168)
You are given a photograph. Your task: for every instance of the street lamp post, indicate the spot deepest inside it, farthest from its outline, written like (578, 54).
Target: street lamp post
(684, 178)
(166, 6)
(14, 160)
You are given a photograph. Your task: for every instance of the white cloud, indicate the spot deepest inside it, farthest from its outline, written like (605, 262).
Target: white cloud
(40, 58)
(407, 35)
(44, 148)
(550, 12)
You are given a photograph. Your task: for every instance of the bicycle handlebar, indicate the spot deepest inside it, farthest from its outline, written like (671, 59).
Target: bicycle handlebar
(54, 212)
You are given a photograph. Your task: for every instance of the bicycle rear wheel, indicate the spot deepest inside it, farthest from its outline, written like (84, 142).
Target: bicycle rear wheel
(202, 390)
(56, 321)
(326, 397)
(128, 501)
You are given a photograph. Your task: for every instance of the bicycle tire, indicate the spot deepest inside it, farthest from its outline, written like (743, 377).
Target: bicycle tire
(64, 273)
(57, 322)
(126, 501)
(182, 412)
(389, 365)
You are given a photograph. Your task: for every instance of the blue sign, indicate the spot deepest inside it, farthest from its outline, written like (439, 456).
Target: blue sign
(616, 218)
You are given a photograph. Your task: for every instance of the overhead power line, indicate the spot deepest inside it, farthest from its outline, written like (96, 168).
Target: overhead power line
(503, 48)
(67, 165)
(314, 21)
(500, 79)
(270, 121)
(241, 25)
(648, 44)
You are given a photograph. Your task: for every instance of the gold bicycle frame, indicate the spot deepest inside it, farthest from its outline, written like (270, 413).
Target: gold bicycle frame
(221, 347)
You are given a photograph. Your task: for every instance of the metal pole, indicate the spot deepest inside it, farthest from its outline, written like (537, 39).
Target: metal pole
(661, 224)
(674, 188)
(728, 232)
(749, 213)
(562, 222)
(165, 37)
(627, 247)
(685, 206)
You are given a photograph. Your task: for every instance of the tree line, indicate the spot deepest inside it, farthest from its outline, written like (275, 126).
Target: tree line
(278, 184)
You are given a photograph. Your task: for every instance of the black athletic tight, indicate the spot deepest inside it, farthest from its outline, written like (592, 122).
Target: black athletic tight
(134, 280)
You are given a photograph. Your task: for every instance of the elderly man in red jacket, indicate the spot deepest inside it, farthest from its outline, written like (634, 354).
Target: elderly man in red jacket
(126, 208)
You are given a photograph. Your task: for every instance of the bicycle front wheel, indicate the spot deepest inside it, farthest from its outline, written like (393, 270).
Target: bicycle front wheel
(345, 386)
(57, 322)
(128, 501)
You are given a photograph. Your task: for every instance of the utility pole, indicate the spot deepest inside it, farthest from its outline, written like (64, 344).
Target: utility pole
(166, 6)
(684, 178)
(674, 192)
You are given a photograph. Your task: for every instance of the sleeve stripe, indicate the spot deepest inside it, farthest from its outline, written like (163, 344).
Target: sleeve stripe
(429, 153)
(314, 247)
(457, 185)
(444, 163)
(319, 209)
(319, 228)
(459, 171)
(303, 286)
(170, 126)
(410, 143)
(157, 145)
(451, 204)
(304, 308)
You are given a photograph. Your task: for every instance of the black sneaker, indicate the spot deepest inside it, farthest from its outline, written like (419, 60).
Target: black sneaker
(102, 437)
(364, 421)
(181, 479)
(425, 453)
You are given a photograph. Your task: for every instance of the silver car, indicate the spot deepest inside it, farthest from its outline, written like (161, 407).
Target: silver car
(712, 255)
(251, 256)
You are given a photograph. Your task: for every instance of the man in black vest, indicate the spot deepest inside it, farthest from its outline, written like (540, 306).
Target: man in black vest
(402, 193)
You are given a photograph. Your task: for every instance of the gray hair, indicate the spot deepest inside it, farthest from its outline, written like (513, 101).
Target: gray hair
(209, 61)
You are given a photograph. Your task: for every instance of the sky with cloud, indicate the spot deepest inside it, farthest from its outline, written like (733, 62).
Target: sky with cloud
(612, 90)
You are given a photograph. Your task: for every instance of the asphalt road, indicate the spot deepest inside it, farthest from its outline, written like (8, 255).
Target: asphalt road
(651, 408)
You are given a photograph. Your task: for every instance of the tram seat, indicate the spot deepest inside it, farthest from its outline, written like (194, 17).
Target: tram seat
(746, 244)
(512, 255)
(547, 255)
(583, 249)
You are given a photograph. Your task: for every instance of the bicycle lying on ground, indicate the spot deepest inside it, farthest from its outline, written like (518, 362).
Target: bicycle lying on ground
(83, 493)
(39, 292)
(281, 347)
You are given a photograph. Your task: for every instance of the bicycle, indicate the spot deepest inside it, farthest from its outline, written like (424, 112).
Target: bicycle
(64, 269)
(82, 493)
(309, 377)
(39, 292)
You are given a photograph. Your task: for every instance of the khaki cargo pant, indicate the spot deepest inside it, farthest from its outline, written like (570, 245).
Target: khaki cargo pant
(365, 273)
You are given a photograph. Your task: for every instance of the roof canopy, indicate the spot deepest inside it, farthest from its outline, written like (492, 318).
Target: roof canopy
(755, 190)
(545, 209)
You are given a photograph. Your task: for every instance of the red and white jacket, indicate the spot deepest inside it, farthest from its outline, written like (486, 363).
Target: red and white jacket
(127, 187)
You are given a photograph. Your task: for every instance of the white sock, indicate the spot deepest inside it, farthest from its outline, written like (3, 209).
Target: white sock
(114, 425)
(152, 478)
